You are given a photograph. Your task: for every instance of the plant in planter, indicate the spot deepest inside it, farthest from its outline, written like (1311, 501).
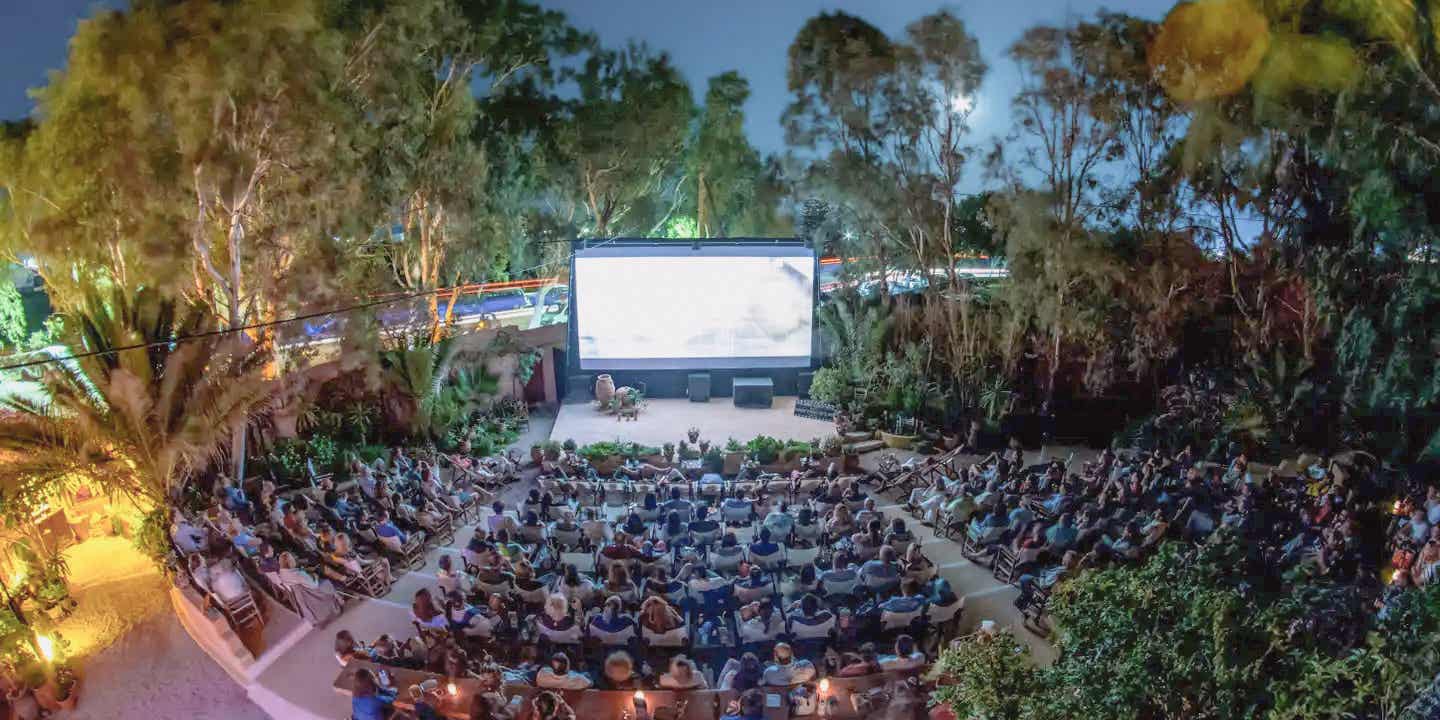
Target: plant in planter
(66, 687)
(831, 445)
(668, 452)
(686, 453)
(694, 435)
(764, 450)
(537, 453)
(712, 461)
(550, 450)
(568, 445)
(704, 446)
(733, 445)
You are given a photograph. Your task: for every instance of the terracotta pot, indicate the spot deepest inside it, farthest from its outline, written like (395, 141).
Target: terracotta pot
(604, 390)
(733, 460)
(627, 396)
(537, 455)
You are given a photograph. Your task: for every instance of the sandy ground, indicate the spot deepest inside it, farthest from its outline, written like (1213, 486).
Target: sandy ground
(156, 671)
(138, 662)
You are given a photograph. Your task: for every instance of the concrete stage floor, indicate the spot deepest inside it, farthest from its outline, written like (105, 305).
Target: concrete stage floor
(666, 420)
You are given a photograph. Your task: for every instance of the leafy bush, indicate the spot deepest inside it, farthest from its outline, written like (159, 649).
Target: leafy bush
(288, 459)
(829, 386)
(713, 461)
(322, 451)
(1198, 632)
(152, 537)
(764, 449)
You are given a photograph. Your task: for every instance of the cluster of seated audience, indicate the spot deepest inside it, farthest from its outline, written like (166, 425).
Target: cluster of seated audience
(1413, 542)
(311, 548)
(681, 589)
(1038, 525)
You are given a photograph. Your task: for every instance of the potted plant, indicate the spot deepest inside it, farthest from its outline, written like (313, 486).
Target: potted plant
(704, 447)
(668, 452)
(694, 435)
(537, 454)
(831, 446)
(711, 461)
(568, 445)
(64, 688)
(550, 450)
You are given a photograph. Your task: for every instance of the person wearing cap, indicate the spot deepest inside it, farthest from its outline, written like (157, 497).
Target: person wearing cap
(786, 669)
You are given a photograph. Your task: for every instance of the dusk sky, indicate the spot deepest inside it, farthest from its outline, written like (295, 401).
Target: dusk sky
(704, 38)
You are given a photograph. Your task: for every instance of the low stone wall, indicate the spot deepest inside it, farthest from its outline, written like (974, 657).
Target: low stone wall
(211, 631)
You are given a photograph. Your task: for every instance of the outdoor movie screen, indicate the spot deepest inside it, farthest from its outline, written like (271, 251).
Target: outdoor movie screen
(675, 307)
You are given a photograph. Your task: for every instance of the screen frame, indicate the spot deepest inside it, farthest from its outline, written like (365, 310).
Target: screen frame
(693, 247)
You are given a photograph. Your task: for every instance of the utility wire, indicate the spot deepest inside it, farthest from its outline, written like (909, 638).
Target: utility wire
(255, 326)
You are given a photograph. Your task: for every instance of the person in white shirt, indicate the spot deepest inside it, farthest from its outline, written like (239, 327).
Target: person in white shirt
(500, 520)
(787, 669)
(906, 657)
(760, 623)
(682, 676)
(558, 676)
(226, 581)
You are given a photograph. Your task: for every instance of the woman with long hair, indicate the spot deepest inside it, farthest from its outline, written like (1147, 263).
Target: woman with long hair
(424, 612)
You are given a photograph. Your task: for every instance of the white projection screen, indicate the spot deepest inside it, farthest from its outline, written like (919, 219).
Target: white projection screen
(676, 307)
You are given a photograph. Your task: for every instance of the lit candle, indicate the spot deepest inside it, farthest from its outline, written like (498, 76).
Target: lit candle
(450, 688)
(824, 685)
(639, 700)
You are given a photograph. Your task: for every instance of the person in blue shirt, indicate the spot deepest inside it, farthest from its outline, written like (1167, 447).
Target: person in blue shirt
(1062, 534)
(370, 701)
(779, 522)
(882, 572)
(909, 600)
(385, 528)
(763, 545)
(612, 619)
(676, 504)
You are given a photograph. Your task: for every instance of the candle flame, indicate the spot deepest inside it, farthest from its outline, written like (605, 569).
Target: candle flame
(639, 696)
(450, 688)
(824, 685)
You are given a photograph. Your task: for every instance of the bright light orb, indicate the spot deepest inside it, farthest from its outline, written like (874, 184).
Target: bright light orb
(962, 103)
(47, 647)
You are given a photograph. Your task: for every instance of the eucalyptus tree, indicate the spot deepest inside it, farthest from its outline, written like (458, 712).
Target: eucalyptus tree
(428, 76)
(1053, 179)
(621, 143)
(722, 166)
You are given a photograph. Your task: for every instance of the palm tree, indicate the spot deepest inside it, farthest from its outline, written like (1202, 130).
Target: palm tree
(432, 390)
(137, 422)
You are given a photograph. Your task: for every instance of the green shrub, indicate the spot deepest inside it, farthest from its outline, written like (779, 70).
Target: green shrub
(829, 386)
(289, 459)
(764, 449)
(323, 452)
(152, 538)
